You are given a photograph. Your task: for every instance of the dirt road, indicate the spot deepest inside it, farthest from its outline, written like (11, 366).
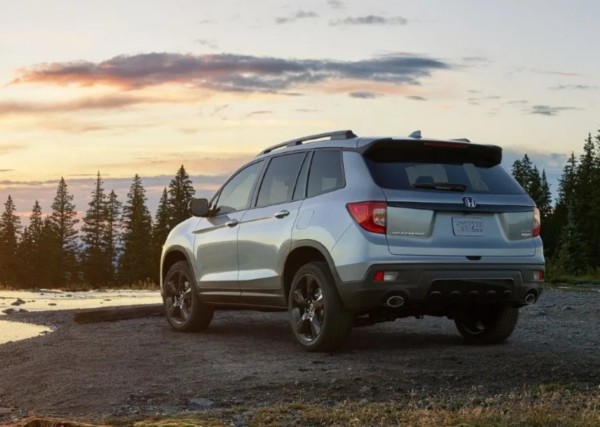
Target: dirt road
(248, 359)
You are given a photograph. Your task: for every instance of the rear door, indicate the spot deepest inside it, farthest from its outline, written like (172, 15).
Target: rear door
(451, 199)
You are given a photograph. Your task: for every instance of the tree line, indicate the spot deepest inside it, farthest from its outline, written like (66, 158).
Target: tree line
(570, 225)
(118, 243)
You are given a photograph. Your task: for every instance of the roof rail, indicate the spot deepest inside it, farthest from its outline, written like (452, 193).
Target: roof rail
(460, 140)
(338, 134)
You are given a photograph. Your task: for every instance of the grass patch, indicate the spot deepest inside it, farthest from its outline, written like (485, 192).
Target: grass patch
(547, 405)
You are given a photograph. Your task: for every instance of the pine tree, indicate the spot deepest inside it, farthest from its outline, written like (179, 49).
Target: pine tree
(25, 254)
(136, 263)
(161, 228)
(10, 226)
(545, 202)
(518, 173)
(30, 253)
(180, 192)
(584, 204)
(95, 261)
(112, 233)
(50, 272)
(565, 257)
(162, 220)
(62, 221)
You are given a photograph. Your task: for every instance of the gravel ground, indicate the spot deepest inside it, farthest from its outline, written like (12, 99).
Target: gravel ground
(141, 367)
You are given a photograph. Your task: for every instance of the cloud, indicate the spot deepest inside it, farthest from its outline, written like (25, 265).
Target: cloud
(94, 103)
(574, 87)
(546, 110)
(230, 72)
(416, 98)
(259, 113)
(561, 73)
(476, 60)
(363, 94)
(370, 20)
(210, 43)
(218, 110)
(336, 4)
(6, 148)
(476, 100)
(301, 14)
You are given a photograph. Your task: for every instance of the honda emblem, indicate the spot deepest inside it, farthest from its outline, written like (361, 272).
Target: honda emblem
(470, 202)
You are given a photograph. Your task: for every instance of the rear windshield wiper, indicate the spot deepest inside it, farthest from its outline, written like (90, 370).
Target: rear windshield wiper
(446, 186)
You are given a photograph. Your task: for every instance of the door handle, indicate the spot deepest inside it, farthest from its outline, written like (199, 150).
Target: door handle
(282, 214)
(232, 223)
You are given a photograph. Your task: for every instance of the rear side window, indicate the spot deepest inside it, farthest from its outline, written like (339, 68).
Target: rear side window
(439, 169)
(326, 172)
(280, 179)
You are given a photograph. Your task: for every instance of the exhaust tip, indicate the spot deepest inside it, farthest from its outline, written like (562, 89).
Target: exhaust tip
(530, 297)
(395, 301)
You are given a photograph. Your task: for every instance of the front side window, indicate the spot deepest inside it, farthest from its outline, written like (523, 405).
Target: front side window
(280, 179)
(237, 192)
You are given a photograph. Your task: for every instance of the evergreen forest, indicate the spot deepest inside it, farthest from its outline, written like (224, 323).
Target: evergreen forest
(117, 243)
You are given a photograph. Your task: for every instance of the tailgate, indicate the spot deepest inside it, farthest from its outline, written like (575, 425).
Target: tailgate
(449, 227)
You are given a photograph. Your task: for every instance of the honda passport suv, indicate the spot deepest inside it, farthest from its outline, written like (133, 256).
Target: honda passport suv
(341, 230)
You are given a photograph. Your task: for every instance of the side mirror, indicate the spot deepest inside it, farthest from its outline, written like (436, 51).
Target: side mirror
(199, 207)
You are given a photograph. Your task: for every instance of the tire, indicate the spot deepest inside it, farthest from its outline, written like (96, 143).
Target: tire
(318, 319)
(487, 324)
(183, 308)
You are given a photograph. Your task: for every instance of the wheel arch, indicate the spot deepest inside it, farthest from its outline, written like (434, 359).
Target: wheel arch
(173, 255)
(303, 252)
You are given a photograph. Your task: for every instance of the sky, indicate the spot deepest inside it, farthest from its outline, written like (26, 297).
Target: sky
(126, 87)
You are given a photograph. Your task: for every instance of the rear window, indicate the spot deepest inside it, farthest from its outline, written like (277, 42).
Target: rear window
(438, 169)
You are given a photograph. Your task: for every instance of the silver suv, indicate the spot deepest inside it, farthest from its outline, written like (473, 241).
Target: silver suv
(343, 230)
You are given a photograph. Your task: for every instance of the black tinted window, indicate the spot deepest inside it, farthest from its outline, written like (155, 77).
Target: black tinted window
(300, 190)
(443, 176)
(325, 172)
(280, 179)
(236, 194)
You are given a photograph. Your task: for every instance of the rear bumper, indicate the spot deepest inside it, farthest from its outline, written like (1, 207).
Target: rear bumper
(428, 287)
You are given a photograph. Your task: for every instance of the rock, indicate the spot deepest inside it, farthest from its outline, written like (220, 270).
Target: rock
(51, 303)
(19, 301)
(364, 389)
(9, 311)
(200, 403)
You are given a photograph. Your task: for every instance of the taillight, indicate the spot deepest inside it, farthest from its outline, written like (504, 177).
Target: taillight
(537, 222)
(369, 215)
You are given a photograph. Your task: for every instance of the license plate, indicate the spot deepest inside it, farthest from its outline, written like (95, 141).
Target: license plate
(467, 226)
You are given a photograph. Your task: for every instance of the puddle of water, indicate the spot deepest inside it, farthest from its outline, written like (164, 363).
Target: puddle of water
(50, 300)
(14, 331)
